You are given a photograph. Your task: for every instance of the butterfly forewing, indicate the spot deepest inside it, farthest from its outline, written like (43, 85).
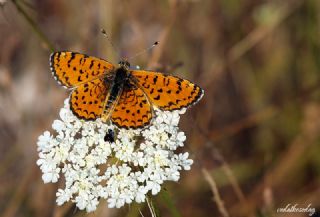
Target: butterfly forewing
(72, 69)
(133, 109)
(167, 92)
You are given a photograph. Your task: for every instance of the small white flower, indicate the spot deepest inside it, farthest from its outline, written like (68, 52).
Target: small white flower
(138, 162)
(141, 194)
(116, 201)
(45, 142)
(51, 175)
(58, 125)
(181, 137)
(184, 161)
(63, 196)
(154, 187)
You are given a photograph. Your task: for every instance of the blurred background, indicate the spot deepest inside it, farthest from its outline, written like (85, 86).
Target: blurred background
(254, 137)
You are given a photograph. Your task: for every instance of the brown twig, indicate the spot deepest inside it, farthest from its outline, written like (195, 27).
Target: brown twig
(246, 122)
(310, 131)
(216, 196)
(285, 9)
(234, 182)
(261, 32)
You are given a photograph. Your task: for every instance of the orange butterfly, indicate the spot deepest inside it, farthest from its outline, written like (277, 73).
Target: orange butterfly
(101, 90)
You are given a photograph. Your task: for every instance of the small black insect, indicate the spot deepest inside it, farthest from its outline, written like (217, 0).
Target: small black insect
(109, 137)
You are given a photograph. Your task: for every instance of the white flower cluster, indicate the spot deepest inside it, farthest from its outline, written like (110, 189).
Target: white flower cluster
(137, 162)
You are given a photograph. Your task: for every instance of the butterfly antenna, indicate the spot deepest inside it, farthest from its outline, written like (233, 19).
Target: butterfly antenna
(104, 32)
(144, 50)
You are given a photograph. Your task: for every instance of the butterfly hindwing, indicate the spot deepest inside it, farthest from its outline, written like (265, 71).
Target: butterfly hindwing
(87, 101)
(167, 92)
(72, 69)
(133, 109)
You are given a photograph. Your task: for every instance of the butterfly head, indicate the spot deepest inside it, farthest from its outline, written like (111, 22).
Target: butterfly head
(125, 64)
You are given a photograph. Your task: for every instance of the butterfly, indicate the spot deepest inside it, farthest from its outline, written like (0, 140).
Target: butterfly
(125, 96)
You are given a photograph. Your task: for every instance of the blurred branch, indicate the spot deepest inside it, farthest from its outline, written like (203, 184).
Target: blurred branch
(236, 127)
(260, 116)
(250, 121)
(284, 10)
(217, 156)
(246, 122)
(216, 196)
(33, 25)
(234, 182)
(261, 32)
(310, 129)
(27, 4)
